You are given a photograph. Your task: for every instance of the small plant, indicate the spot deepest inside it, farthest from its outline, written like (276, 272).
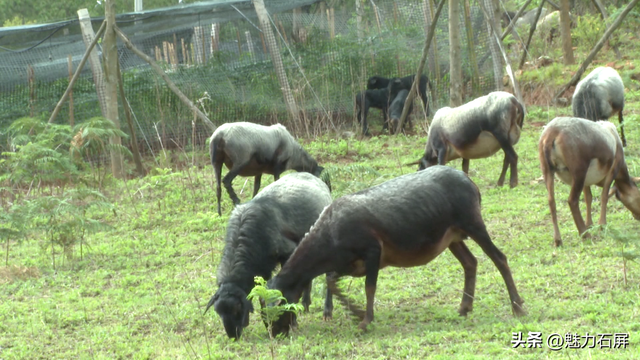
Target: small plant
(629, 247)
(269, 312)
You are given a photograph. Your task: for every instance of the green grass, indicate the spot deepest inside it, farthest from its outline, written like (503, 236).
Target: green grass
(140, 290)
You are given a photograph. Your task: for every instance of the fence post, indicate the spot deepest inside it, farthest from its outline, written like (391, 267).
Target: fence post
(71, 119)
(94, 60)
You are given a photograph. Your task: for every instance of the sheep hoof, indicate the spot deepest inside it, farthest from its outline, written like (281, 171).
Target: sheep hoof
(327, 317)
(557, 242)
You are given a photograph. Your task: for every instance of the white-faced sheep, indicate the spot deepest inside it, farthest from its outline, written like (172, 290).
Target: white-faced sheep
(584, 153)
(261, 234)
(599, 96)
(407, 221)
(249, 149)
(475, 130)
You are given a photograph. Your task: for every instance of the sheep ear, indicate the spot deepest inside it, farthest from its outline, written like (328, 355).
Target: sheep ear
(213, 300)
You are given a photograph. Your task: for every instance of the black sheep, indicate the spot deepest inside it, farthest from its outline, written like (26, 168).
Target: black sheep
(407, 221)
(261, 234)
(377, 98)
(379, 82)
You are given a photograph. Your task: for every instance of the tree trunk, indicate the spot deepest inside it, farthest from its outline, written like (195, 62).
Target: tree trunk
(565, 32)
(423, 60)
(110, 51)
(455, 58)
(359, 17)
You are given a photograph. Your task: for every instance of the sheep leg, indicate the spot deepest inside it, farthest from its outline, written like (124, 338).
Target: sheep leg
(510, 156)
(549, 182)
(503, 174)
(237, 168)
(605, 196)
(372, 266)
(624, 140)
(306, 296)
(328, 300)
(465, 166)
(469, 264)
(476, 229)
(574, 199)
(256, 184)
(588, 198)
(217, 168)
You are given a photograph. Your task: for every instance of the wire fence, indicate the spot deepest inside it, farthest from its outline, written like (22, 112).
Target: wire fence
(221, 62)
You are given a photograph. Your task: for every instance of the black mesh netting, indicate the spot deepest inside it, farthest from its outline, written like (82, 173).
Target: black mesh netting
(216, 54)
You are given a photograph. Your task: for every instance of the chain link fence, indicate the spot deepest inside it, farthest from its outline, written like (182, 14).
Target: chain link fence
(216, 54)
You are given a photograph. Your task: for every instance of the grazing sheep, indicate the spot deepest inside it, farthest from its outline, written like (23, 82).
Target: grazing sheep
(377, 98)
(249, 149)
(476, 130)
(407, 221)
(599, 96)
(261, 234)
(379, 82)
(395, 110)
(584, 153)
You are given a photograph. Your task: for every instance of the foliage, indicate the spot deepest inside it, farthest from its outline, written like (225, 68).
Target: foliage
(276, 304)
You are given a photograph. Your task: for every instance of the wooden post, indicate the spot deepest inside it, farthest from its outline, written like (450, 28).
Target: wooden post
(85, 57)
(565, 33)
(71, 119)
(164, 76)
(98, 77)
(433, 58)
(110, 51)
(239, 41)
(455, 58)
(263, 16)
(359, 16)
(127, 112)
(31, 75)
(473, 63)
(247, 35)
(494, 46)
(531, 31)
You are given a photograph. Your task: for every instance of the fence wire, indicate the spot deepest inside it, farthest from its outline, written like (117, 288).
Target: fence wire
(225, 67)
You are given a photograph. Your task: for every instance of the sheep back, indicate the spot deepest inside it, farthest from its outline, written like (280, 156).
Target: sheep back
(598, 95)
(266, 230)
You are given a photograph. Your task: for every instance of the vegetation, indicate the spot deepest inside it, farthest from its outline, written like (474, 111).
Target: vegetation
(139, 289)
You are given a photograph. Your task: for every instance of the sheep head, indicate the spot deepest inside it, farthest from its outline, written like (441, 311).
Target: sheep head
(231, 303)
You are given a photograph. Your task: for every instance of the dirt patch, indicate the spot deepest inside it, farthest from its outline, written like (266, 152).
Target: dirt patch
(542, 94)
(15, 272)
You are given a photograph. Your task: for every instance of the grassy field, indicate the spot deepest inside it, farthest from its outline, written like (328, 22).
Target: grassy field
(139, 291)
